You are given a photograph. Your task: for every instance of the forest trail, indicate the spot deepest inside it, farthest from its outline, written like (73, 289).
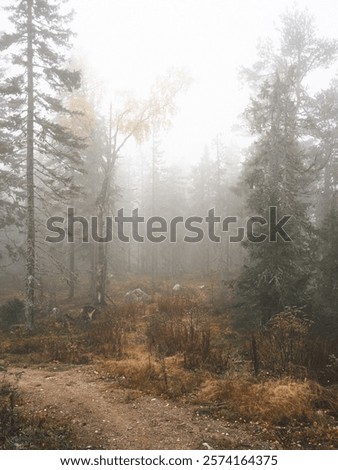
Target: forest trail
(104, 417)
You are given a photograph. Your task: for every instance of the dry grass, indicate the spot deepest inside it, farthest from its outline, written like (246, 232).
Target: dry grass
(274, 401)
(320, 434)
(161, 377)
(176, 305)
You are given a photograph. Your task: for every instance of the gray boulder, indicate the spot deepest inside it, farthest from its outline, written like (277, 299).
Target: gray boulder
(136, 295)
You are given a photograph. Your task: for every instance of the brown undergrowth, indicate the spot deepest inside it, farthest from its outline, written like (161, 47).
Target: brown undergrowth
(180, 347)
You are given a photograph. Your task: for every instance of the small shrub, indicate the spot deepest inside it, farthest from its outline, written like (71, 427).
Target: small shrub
(169, 335)
(106, 338)
(23, 346)
(37, 349)
(286, 347)
(128, 315)
(63, 349)
(165, 335)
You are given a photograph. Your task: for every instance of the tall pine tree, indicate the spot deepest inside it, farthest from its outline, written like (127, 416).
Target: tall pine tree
(277, 171)
(40, 148)
(278, 271)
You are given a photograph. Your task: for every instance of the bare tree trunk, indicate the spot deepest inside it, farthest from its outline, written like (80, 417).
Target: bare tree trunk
(218, 206)
(103, 205)
(71, 291)
(30, 241)
(327, 180)
(71, 253)
(129, 268)
(101, 272)
(92, 280)
(154, 177)
(172, 262)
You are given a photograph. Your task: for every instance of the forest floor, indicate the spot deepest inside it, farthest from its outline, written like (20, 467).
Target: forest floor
(174, 372)
(103, 416)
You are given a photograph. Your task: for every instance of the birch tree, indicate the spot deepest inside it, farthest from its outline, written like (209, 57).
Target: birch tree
(133, 119)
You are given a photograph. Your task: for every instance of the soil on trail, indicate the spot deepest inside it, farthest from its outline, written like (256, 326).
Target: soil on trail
(103, 416)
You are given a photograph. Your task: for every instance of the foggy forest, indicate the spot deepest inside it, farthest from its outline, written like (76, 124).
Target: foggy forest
(168, 224)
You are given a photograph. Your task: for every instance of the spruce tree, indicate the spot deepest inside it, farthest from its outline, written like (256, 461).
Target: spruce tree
(328, 265)
(277, 171)
(40, 148)
(323, 119)
(277, 271)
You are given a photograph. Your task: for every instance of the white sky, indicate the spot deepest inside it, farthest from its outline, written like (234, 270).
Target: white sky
(128, 43)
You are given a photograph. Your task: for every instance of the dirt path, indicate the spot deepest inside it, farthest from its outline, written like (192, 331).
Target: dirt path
(105, 417)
